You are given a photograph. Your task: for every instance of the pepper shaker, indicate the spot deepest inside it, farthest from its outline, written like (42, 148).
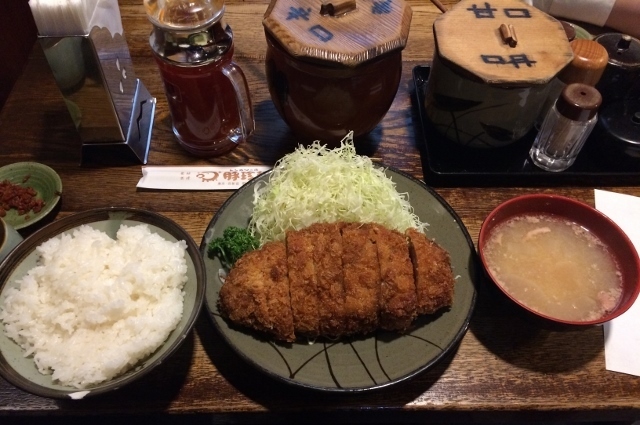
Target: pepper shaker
(589, 62)
(566, 127)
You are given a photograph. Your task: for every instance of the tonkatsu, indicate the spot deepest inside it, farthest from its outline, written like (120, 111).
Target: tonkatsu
(338, 279)
(434, 279)
(256, 292)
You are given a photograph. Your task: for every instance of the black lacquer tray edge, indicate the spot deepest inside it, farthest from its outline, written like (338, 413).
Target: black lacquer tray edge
(446, 164)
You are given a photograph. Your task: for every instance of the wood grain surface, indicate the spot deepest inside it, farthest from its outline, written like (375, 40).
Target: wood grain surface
(470, 31)
(507, 367)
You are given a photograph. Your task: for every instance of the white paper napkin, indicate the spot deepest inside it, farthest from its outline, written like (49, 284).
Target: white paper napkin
(622, 334)
(199, 177)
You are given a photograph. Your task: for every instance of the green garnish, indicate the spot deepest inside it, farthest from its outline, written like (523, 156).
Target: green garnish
(235, 241)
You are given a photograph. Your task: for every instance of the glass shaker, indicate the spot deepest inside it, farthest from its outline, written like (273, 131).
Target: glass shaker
(207, 92)
(566, 127)
(589, 62)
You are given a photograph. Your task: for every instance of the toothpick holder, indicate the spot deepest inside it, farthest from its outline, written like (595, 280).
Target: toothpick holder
(112, 110)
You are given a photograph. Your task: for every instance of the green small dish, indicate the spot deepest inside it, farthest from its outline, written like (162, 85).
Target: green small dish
(581, 32)
(40, 177)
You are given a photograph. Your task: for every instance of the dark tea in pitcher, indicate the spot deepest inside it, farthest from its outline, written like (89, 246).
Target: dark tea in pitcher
(203, 106)
(206, 91)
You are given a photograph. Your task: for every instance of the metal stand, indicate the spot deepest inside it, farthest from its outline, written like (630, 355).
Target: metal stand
(112, 110)
(135, 149)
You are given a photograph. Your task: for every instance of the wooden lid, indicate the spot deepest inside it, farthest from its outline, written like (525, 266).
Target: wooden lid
(590, 59)
(346, 32)
(502, 42)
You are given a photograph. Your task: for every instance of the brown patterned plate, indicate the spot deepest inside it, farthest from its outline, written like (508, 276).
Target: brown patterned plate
(365, 363)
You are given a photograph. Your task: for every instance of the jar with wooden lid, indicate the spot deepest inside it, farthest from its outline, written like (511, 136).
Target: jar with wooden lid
(328, 72)
(489, 76)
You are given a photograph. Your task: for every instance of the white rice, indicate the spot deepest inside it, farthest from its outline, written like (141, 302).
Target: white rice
(93, 307)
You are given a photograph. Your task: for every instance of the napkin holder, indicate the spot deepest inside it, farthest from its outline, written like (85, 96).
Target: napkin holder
(111, 109)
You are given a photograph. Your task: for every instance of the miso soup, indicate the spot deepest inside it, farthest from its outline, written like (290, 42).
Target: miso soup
(554, 267)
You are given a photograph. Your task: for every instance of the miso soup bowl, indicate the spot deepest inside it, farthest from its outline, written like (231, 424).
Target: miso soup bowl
(618, 243)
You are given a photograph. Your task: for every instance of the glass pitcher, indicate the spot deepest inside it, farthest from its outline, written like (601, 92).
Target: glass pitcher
(207, 92)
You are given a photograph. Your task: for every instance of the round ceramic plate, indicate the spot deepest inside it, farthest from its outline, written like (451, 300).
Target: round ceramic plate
(365, 363)
(40, 177)
(22, 372)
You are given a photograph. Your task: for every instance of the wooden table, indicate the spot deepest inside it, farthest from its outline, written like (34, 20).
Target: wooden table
(505, 368)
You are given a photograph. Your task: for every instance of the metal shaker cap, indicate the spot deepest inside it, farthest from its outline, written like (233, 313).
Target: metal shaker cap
(338, 32)
(579, 102)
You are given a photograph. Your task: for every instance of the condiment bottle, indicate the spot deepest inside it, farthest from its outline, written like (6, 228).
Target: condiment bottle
(621, 78)
(207, 92)
(589, 62)
(566, 127)
(618, 129)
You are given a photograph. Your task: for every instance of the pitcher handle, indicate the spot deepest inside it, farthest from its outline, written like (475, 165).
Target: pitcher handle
(239, 82)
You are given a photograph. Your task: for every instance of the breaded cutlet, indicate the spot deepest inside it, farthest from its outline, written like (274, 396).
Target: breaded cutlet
(256, 292)
(327, 258)
(397, 285)
(303, 283)
(338, 279)
(361, 279)
(433, 273)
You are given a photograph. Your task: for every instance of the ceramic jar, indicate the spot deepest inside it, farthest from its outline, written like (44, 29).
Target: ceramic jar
(491, 69)
(328, 73)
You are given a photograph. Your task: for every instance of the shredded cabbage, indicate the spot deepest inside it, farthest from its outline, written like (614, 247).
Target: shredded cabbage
(316, 184)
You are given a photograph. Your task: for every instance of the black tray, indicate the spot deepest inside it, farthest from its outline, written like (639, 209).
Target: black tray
(445, 163)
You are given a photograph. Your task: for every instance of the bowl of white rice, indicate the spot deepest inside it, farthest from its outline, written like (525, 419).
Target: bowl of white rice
(96, 300)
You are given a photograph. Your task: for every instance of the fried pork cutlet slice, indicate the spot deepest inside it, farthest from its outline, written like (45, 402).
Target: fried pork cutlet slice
(303, 283)
(327, 259)
(433, 273)
(256, 292)
(397, 285)
(361, 280)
